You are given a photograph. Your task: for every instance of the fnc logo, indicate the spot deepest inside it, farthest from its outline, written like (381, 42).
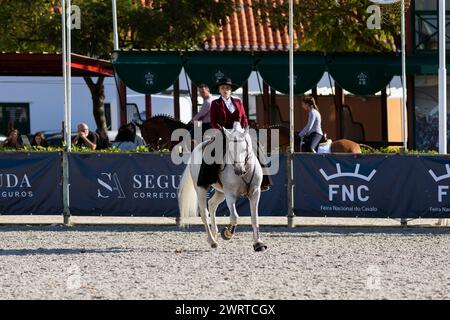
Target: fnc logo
(442, 189)
(109, 184)
(348, 192)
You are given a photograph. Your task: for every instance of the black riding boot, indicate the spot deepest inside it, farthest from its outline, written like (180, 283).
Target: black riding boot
(267, 179)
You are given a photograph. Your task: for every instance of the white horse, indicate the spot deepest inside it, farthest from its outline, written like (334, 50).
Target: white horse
(240, 175)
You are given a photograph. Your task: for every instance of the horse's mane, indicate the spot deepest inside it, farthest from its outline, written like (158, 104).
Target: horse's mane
(278, 126)
(165, 117)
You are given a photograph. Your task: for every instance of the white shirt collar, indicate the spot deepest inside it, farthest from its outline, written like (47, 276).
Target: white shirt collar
(229, 103)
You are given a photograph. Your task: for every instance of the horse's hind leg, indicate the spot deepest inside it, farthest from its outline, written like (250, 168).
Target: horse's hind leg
(202, 194)
(213, 203)
(258, 245)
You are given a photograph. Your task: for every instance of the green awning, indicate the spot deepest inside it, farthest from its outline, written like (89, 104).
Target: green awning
(208, 68)
(424, 65)
(363, 74)
(148, 72)
(308, 70)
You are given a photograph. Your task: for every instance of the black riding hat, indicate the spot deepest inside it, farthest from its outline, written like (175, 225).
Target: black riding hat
(226, 81)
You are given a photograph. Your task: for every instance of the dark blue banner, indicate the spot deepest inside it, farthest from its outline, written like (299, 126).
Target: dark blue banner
(145, 185)
(30, 183)
(372, 186)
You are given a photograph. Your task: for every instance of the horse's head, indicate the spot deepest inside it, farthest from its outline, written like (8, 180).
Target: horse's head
(239, 148)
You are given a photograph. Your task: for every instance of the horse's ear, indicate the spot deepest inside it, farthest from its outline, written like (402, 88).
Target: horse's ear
(225, 130)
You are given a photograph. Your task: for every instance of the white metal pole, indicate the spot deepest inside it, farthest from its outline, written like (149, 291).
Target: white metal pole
(69, 76)
(290, 166)
(115, 32)
(64, 60)
(66, 200)
(291, 73)
(442, 82)
(404, 93)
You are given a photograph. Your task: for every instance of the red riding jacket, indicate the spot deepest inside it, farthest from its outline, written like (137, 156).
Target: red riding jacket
(222, 117)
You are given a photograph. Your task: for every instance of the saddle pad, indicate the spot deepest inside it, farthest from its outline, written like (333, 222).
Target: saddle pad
(324, 148)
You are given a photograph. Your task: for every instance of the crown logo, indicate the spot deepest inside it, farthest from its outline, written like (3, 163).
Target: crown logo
(443, 177)
(149, 79)
(219, 75)
(354, 174)
(362, 79)
(295, 79)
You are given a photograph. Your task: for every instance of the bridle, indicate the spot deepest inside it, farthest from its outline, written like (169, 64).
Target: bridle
(247, 158)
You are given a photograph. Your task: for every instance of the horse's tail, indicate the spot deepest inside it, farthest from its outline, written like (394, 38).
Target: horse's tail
(362, 145)
(187, 197)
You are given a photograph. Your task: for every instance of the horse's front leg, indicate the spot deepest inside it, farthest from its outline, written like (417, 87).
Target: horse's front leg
(228, 231)
(258, 245)
(202, 194)
(213, 203)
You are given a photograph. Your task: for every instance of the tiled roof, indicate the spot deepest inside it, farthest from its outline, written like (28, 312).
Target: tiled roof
(245, 31)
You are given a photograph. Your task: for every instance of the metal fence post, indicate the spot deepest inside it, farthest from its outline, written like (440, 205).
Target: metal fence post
(290, 190)
(66, 186)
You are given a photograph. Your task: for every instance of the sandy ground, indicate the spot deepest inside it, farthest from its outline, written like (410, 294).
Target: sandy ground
(166, 262)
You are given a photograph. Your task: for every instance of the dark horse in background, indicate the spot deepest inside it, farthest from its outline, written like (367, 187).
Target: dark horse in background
(157, 132)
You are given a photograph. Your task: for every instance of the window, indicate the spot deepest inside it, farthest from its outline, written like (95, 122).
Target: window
(14, 115)
(426, 34)
(426, 4)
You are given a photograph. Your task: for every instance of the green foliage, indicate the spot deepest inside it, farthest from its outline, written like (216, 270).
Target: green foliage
(330, 25)
(144, 149)
(396, 150)
(36, 25)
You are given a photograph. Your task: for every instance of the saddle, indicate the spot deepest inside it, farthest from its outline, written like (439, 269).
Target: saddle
(208, 173)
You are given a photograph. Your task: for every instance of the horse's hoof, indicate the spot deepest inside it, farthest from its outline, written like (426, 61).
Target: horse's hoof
(259, 247)
(226, 233)
(214, 245)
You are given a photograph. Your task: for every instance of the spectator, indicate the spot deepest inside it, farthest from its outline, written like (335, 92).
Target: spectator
(204, 114)
(39, 140)
(125, 139)
(14, 140)
(85, 138)
(136, 139)
(102, 139)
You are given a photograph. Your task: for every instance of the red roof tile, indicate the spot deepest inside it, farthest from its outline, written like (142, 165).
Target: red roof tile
(245, 31)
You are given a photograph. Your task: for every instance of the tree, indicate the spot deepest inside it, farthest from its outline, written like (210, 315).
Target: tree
(330, 25)
(166, 24)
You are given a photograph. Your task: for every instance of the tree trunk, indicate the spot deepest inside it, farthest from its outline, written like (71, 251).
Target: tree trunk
(98, 101)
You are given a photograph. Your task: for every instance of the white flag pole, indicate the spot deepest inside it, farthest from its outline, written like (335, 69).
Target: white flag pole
(442, 82)
(115, 32)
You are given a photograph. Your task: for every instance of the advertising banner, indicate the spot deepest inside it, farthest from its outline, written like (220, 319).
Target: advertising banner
(30, 183)
(372, 186)
(138, 184)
